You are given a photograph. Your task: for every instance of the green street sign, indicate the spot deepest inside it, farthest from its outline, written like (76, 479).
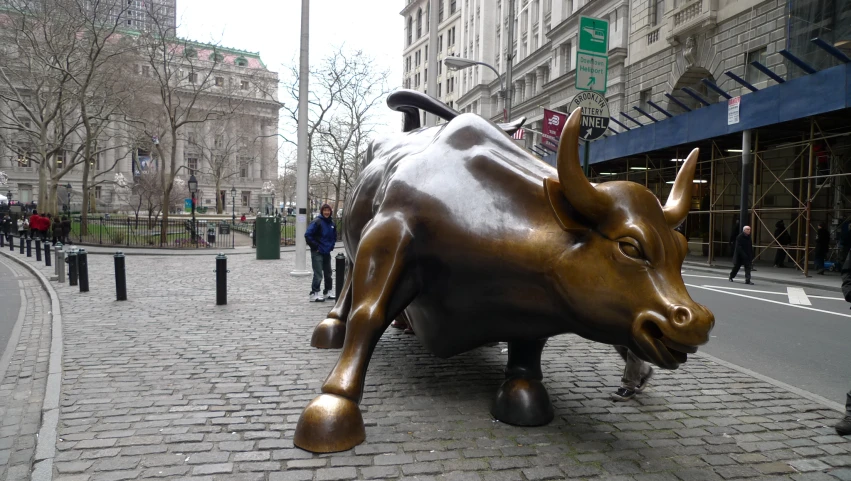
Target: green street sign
(591, 72)
(593, 35)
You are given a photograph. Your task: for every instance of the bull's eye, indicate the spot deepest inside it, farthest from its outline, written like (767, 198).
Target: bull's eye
(631, 250)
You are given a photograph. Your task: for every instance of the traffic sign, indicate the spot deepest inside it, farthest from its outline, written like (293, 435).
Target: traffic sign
(591, 72)
(595, 114)
(593, 35)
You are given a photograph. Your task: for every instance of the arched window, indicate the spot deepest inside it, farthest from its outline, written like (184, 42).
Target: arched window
(410, 29)
(419, 23)
(216, 57)
(241, 62)
(190, 52)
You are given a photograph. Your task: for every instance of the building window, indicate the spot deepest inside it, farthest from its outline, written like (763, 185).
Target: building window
(419, 23)
(220, 141)
(243, 85)
(452, 7)
(23, 154)
(193, 77)
(439, 10)
(220, 81)
(192, 163)
(644, 97)
(146, 71)
(246, 198)
(241, 62)
(410, 29)
(97, 192)
(752, 75)
(439, 89)
(657, 10)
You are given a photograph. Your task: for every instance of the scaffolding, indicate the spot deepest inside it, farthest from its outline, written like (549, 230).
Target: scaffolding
(800, 174)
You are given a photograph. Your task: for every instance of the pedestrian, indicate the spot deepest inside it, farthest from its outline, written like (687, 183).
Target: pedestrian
(822, 246)
(743, 254)
(321, 235)
(636, 374)
(56, 229)
(843, 428)
(242, 219)
(66, 230)
(35, 224)
(19, 226)
(783, 239)
(26, 230)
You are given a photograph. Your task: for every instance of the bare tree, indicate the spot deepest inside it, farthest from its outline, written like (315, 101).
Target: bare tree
(343, 140)
(183, 90)
(55, 87)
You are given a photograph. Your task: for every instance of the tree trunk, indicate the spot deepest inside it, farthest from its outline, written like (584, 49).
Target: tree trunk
(219, 204)
(84, 210)
(51, 199)
(43, 202)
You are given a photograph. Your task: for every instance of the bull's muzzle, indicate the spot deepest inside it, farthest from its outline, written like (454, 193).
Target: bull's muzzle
(667, 340)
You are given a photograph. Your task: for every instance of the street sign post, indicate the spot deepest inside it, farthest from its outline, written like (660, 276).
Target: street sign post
(592, 59)
(595, 120)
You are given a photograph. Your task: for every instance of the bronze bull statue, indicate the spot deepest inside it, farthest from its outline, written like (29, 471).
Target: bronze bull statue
(475, 241)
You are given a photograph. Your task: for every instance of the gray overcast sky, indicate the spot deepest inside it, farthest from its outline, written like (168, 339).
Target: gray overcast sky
(272, 28)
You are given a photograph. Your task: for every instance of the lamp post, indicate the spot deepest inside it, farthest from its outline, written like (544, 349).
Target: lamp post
(457, 63)
(233, 204)
(193, 188)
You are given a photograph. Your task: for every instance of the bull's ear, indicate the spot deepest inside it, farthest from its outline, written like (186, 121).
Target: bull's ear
(561, 209)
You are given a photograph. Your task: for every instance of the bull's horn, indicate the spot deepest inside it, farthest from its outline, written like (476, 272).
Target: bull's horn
(679, 200)
(578, 191)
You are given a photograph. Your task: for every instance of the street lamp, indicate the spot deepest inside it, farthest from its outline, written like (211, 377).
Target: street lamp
(233, 204)
(457, 63)
(68, 205)
(193, 188)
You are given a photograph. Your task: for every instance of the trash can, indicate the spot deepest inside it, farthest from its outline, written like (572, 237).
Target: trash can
(211, 235)
(268, 237)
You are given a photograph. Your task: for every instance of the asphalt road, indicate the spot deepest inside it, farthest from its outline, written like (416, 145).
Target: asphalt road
(10, 304)
(799, 336)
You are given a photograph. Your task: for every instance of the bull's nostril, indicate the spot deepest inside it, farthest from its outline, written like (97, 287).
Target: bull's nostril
(681, 316)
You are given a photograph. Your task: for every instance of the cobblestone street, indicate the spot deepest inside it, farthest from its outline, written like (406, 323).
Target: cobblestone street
(168, 385)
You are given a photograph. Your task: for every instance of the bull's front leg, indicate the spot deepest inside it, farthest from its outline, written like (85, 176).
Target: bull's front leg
(522, 400)
(332, 421)
(330, 333)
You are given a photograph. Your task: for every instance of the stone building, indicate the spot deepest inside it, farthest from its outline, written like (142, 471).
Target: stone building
(241, 152)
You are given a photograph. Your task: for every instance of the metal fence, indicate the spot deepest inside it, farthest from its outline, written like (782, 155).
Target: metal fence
(132, 232)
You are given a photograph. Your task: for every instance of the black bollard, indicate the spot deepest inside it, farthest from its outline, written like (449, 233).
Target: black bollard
(341, 272)
(83, 269)
(221, 279)
(3, 240)
(120, 277)
(71, 259)
(22, 244)
(29, 247)
(38, 250)
(48, 254)
(12, 243)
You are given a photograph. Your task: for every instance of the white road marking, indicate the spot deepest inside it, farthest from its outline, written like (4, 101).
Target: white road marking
(798, 296)
(747, 290)
(705, 277)
(769, 300)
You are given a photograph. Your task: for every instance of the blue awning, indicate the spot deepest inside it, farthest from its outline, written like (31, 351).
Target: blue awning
(825, 91)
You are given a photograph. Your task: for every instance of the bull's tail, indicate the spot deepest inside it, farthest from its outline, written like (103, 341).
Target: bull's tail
(410, 102)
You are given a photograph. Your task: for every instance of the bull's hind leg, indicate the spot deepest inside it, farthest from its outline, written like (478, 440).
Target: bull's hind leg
(332, 422)
(330, 333)
(522, 400)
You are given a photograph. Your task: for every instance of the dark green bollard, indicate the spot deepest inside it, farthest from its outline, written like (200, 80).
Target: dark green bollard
(83, 269)
(120, 277)
(221, 279)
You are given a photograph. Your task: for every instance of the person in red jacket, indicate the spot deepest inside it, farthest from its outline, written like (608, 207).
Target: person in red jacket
(35, 224)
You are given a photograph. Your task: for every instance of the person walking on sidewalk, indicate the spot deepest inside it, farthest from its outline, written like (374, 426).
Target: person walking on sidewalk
(321, 235)
(636, 374)
(843, 428)
(783, 239)
(822, 246)
(743, 254)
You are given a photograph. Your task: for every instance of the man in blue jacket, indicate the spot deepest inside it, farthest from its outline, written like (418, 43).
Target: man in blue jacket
(321, 235)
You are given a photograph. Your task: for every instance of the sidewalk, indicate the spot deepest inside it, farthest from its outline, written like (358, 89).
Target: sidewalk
(766, 272)
(151, 251)
(167, 385)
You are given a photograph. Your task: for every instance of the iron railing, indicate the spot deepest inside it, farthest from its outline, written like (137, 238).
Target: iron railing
(142, 232)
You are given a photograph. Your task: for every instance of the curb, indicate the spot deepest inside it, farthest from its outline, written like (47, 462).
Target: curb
(800, 392)
(773, 280)
(45, 449)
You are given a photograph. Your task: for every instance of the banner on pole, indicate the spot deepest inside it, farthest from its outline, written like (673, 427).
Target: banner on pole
(553, 124)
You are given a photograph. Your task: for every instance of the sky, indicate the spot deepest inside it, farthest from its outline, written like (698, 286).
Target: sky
(272, 28)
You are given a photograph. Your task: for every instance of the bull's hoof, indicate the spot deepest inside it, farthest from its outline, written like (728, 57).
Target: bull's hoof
(329, 334)
(522, 402)
(329, 424)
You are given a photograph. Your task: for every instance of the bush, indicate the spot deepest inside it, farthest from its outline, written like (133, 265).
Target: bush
(116, 237)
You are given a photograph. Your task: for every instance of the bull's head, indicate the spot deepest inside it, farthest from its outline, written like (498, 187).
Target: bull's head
(628, 259)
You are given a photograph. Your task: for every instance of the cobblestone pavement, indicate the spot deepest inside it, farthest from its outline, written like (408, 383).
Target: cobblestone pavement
(168, 385)
(23, 386)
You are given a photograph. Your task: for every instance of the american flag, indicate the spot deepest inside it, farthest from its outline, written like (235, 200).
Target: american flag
(518, 135)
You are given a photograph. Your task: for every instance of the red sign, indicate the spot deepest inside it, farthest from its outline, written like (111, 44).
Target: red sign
(553, 125)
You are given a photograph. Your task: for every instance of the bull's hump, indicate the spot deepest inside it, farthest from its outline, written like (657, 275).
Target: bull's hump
(470, 130)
